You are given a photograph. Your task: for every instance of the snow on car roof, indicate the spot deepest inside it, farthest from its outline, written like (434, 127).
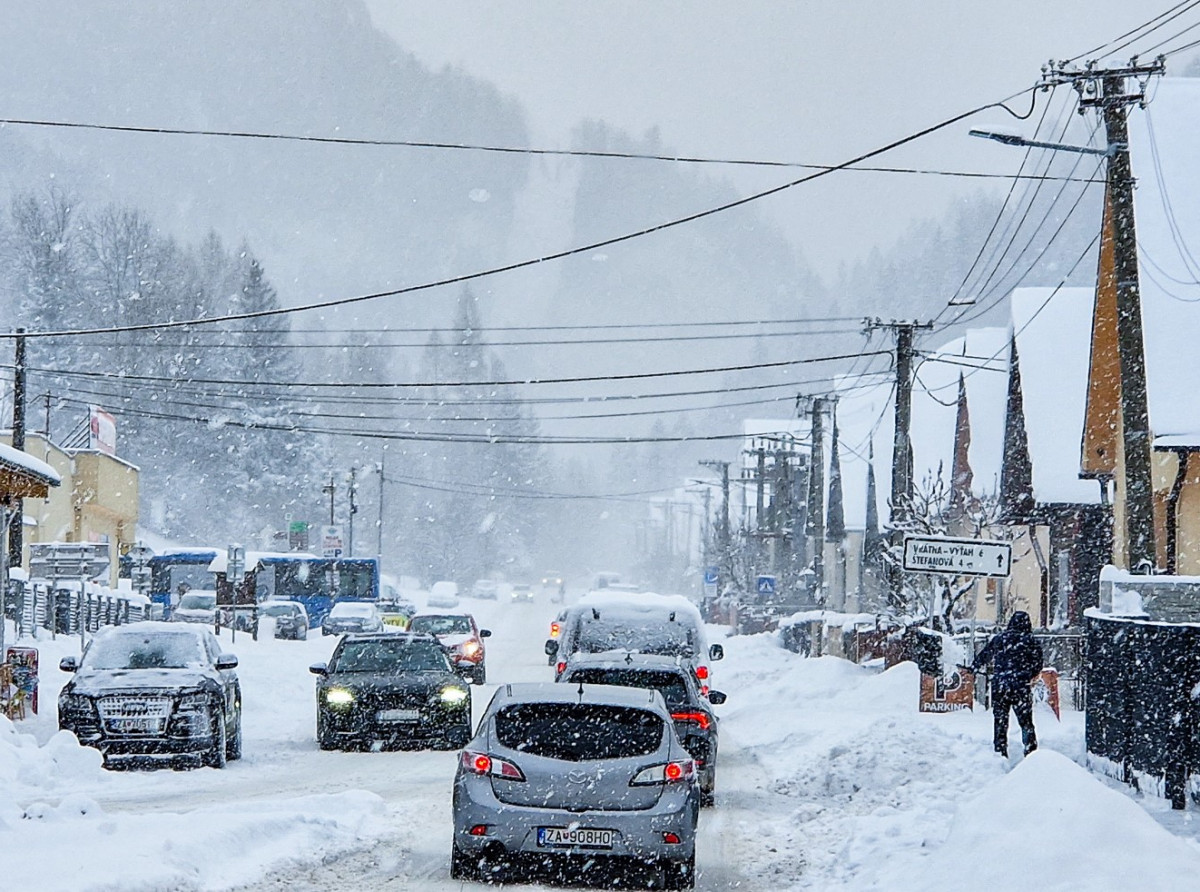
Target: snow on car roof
(554, 692)
(622, 659)
(642, 603)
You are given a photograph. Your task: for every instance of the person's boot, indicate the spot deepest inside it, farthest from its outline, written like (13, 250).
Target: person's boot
(1029, 738)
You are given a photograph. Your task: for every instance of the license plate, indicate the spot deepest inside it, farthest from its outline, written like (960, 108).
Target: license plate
(398, 715)
(135, 726)
(580, 837)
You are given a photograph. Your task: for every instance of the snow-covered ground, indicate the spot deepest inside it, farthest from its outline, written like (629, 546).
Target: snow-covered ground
(828, 778)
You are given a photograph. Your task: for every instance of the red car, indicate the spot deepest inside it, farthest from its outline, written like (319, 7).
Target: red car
(461, 636)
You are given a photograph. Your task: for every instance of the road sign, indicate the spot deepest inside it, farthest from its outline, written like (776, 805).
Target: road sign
(710, 575)
(766, 585)
(957, 557)
(331, 541)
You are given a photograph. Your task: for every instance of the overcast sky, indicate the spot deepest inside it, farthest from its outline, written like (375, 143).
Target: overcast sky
(766, 79)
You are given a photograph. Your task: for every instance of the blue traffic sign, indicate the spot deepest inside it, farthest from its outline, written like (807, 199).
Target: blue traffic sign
(710, 575)
(766, 585)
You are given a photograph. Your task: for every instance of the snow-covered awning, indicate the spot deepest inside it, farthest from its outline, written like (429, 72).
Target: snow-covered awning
(24, 476)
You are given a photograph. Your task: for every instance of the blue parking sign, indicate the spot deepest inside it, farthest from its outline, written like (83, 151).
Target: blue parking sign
(766, 585)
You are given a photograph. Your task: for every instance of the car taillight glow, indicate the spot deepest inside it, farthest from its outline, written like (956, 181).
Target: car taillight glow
(477, 762)
(704, 690)
(671, 839)
(702, 672)
(560, 667)
(695, 718)
(555, 628)
(673, 771)
(483, 764)
(667, 773)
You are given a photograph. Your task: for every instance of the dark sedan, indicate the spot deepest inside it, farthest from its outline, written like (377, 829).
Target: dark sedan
(352, 616)
(289, 618)
(695, 721)
(154, 691)
(393, 687)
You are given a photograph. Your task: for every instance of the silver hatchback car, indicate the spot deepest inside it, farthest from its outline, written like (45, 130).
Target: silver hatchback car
(575, 778)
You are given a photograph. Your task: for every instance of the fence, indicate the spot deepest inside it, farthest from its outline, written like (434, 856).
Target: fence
(68, 607)
(1142, 715)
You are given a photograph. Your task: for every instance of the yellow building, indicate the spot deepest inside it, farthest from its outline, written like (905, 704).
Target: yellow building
(97, 501)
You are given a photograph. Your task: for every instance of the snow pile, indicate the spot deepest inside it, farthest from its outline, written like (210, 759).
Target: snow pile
(28, 770)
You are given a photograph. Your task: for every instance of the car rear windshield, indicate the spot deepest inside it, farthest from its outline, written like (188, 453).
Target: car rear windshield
(279, 610)
(441, 625)
(671, 684)
(576, 732)
(647, 635)
(198, 601)
(385, 657)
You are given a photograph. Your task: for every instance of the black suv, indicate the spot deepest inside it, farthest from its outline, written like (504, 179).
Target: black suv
(154, 691)
(695, 722)
(394, 687)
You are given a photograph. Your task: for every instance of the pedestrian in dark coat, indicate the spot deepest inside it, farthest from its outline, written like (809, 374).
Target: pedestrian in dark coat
(1017, 661)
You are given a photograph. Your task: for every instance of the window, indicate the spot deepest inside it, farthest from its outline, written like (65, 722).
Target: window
(575, 732)
(441, 625)
(385, 657)
(670, 684)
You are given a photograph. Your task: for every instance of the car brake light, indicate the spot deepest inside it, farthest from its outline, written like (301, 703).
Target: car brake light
(694, 718)
(671, 839)
(560, 667)
(704, 690)
(555, 628)
(483, 764)
(702, 672)
(478, 830)
(667, 773)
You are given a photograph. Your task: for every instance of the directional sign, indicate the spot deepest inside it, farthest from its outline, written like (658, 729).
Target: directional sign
(957, 557)
(331, 541)
(710, 575)
(766, 585)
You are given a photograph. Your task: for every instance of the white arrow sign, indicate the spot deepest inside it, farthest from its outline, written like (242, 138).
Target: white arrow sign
(957, 557)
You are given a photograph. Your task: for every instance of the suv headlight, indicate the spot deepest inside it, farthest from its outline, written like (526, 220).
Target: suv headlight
(76, 703)
(192, 703)
(454, 696)
(339, 697)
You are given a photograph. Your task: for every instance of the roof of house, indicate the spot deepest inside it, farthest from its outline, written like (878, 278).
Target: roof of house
(14, 460)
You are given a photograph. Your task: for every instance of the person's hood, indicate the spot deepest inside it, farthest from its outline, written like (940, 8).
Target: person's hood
(1020, 622)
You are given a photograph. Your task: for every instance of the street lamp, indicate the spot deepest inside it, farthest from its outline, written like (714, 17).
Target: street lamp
(1012, 139)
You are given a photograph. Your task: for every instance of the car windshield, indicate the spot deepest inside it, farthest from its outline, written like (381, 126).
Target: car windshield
(159, 650)
(390, 657)
(357, 611)
(577, 732)
(198, 601)
(278, 609)
(670, 684)
(646, 635)
(442, 625)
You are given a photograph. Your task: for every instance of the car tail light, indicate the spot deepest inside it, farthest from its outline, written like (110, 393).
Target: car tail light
(559, 667)
(670, 772)
(478, 830)
(704, 690)
(483, 764)
(671, 839)
(702, 672)
(694, 718)
(555, 628)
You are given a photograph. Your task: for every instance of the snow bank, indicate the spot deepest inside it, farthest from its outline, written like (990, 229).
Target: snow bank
(28, 770)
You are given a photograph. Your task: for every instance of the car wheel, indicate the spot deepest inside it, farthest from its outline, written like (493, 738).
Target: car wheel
(302, 635)
(233, 749)
(708, 798)
(325, 738)
(462, 865)
(680, 874)
(215, 756)
(479, 675)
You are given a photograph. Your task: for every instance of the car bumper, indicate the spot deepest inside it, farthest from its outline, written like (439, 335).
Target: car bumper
(639, 834)
(363, 725)
(141, 746)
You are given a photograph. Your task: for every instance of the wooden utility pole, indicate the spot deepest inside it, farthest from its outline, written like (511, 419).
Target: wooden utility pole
(16, 540)
(902, 469)
(724, 545)
(816, 498)
(1105, 89)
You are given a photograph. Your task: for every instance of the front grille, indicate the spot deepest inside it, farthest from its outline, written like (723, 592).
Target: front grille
(131, 715)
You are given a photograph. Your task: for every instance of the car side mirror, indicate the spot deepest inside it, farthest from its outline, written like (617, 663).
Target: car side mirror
(716, 652)
(319, 669)
(68, 664)
(227, 661)
(485, 633)
(716, 698)
(551, 647)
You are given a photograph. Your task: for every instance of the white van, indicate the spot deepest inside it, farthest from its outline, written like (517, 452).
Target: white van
(643, 623)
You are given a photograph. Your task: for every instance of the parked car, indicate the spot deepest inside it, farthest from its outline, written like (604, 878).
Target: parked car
(485, 588)
(557, 773)
(556, 625)
(522, 593)
(154, 691)
(392, 686)
(396, 614)
(289, 618)
(443, 593)
(351, 616)
(642, 622)
(554, 585)
(695, 721)
(462, 638)
(196, 607)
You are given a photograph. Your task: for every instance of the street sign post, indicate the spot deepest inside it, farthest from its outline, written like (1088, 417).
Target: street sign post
(331, 541)
(765, 585)
(957, 557)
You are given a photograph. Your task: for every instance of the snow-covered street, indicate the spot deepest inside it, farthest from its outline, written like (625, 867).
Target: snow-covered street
(828, 778)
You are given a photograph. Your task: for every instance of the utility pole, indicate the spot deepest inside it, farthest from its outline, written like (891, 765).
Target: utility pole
(902, 469)
(379, 525)
(724, 545)
(1105, 89)
(816, 497)
(16, 541)
(353, 511)
(329, 489)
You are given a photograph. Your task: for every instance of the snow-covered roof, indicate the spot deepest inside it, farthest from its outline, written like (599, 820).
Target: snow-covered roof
(24, 463)
(1054, 332)
(1164, 143)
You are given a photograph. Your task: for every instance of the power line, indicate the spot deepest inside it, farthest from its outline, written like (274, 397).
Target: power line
(1128, 33)
(558, 255)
